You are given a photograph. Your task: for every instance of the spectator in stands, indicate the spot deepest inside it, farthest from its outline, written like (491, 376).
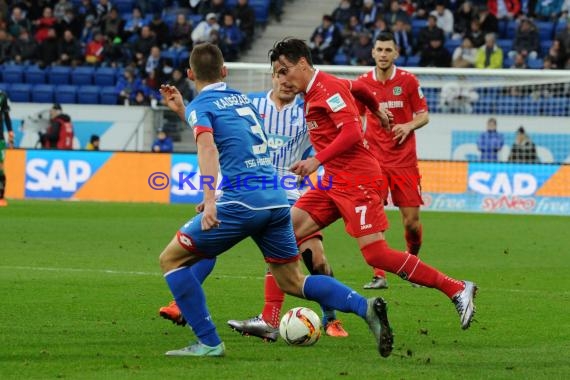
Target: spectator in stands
(141, 47)
(527, 40)
(556, 54)
(127, 86)
(86, 9)
(379, 26)
(5, 48)
(59, 134)
(69, 50)
(565, 11)
(183, 84)
(519, 62)
(88, 31)
(277, 9)
(368, 13)
(47, 50)
(395, 13)
(230, 38)
(424, 7)
(140, 99)
(70, 22)
(564, 37)
(457, 97)
(115, 54)
(490, 142)
(18, 21)
(343, 12)
(489, 56)
(95, 49)
(523, 150)
(403, 38)
(464, 56)
(181, 31)
(244, 15)
(504, 9)
(548, 10)
(475, 34)
(488, 21)
(103, 8)
(218, 7)
(134, 25)
(203, 31)
(160, 31)
(435, 55)
(44, 24)
(162, 143)
(60, 8)
(430, 32)
(153, 61)
(462, 19)
(352, 29)
(359, 53)
(325, 41)
(444, 18)
(93, 143)
(25, 50)
(113, 24)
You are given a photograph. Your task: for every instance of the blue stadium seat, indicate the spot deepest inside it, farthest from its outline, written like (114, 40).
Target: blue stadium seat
(108, 95)
(451, 44)
(544, 47)
(506, 45)
(4, 87)
(536, 63)
(545, 29)
(555, 106)
(34, 75)
(507, 62)
(170, 54)
(88, 94)
(82, 75)
(559, 27)
(59, 75)
(529, 106)
(413, 61)
(124, 6)
(400, 61)
(66, 94)
(340, 59)
(20, 92)
(105, 76)
(183, 57)
(417, 25)
(261, 8)
(195, 19)
(13, 74)
(511, 30)
(484, 106)
(43, 93)
(507, 105)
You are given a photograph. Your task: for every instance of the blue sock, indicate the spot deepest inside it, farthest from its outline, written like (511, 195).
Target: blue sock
(328, 314)
(191, 300)
(327, 291)
(203, 268)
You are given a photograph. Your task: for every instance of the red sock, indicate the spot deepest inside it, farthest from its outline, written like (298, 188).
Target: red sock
(379, 273)
(273, 301)
(414, 241)
(409, 267)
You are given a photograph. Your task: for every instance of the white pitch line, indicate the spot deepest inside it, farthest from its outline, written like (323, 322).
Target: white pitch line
(156, 274)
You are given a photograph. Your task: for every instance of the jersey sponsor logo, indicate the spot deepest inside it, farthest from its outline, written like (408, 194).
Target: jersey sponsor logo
(392, 104)
(397, 90)
(192, 119)
(420, 93)
(276, 141)
(336, 103)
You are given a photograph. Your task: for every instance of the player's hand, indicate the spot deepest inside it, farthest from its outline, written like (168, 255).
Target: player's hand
(401, 132)
(386, 118)
(210, 216)
(11, 139)
(172, 98)
(200, 207)
(305, 167)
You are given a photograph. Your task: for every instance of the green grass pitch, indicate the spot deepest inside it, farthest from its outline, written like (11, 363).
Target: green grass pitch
(80, 288)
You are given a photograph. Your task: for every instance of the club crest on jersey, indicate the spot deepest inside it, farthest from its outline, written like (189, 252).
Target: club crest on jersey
(397, 90)
(336, 103)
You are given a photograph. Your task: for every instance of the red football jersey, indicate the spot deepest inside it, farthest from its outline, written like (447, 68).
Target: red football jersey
(328, 106)
(402, 95)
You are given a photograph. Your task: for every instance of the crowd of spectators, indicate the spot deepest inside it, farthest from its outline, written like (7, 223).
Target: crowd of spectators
(143, 41)
(453, 33)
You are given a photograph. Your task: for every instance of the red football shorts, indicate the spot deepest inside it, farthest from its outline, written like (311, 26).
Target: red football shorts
(405, 186)
(361, 207)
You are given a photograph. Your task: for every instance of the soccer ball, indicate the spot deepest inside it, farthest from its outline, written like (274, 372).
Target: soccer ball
(300, 326)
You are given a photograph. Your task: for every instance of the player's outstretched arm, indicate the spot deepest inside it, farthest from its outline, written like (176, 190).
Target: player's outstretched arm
(363, 94)
(173, 99)
(208, 161)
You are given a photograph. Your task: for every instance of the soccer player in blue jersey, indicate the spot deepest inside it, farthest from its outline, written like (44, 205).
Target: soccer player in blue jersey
(230, 138)
(288, 142)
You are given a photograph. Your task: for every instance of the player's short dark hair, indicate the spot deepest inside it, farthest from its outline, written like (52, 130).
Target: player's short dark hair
(386, 36)
(291, 48)
(206, 61)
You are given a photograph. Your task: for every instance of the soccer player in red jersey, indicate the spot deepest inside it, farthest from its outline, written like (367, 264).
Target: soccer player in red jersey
(352, 176)
(399, 92)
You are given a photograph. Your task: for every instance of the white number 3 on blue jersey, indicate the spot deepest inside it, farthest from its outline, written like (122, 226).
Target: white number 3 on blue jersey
(255, 128)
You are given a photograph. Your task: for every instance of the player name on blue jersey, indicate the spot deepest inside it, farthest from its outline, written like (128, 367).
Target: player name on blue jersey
(231, 101)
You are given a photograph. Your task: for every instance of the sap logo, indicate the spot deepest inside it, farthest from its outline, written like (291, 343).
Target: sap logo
(44, 175)
(275, 142)
(521, 184)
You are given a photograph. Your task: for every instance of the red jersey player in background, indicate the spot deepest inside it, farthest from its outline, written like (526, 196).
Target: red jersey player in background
(399, 92)
(351, 188)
